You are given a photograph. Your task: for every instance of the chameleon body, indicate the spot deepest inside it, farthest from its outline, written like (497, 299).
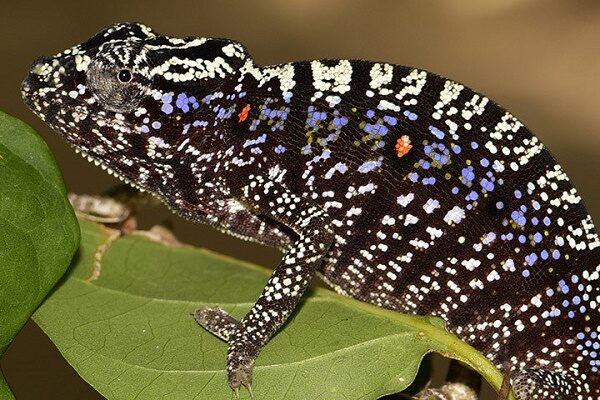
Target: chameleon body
(401, 188)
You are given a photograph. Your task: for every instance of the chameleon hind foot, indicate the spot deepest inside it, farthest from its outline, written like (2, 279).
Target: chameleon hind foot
(450, 391)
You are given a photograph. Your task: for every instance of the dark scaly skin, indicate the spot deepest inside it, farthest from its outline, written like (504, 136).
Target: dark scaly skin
(475, 223)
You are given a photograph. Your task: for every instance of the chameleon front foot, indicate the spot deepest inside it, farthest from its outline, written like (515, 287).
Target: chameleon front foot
(241, 353)
(239, 373)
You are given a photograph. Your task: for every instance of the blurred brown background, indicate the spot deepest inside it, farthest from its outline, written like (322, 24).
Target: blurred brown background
(538, 58)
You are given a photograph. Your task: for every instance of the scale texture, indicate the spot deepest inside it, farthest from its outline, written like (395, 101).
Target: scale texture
(401, 188)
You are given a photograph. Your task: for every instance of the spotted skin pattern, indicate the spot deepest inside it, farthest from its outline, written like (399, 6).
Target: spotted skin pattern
(399, 187)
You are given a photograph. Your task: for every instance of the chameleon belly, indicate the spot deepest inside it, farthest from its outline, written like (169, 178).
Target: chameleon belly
(402, 188)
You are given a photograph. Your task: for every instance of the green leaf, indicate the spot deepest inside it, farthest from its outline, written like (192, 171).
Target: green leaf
(130, 333)
(38, 230)
(5, 392)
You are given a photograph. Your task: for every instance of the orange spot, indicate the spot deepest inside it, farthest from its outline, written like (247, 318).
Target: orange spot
(244, 113)
(403, 145)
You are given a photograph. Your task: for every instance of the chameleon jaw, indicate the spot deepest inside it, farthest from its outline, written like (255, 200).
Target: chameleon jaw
(106, 168)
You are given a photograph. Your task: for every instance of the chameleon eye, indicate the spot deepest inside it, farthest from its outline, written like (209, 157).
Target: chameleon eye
(124, 76)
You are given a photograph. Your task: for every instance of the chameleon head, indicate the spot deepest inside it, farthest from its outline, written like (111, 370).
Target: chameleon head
(127, 97)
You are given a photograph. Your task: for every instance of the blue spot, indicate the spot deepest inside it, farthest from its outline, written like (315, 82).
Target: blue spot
(436, 132)
(428, 181)
(167, 108)
(145, 129)
(556, 254)
(519, 218)
(474, 145)
(279, 149)
(487, 185)
(531, 258)
(522, 239)
(369, 165)
(251, 142)
(287, 96)
(182, 102)
(489, 238)
(410, 115)
(156, 124)
(484, 162)
(424, 164)
(456, 149)
(563, 286)
(499, 205)
(455, 190)
(473, 196)
(576, 300)
(518, 194)
(370, 113)
(338, 122)
(525, 273)
(413, 176)
(547, 221)
(537, 237)
(468, 174)
(390, 120)
(544, 254)
(549, 292)
(376, 129)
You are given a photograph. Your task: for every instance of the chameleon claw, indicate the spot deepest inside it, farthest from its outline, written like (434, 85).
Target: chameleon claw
(249, 387)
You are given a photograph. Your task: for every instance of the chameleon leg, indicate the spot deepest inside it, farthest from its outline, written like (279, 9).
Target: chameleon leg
(286, 285)
(240, 222)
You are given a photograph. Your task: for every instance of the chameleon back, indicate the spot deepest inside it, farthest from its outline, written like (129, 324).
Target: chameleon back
(443, 204)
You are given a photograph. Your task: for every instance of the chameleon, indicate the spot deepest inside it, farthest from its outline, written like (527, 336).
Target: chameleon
(397, 186)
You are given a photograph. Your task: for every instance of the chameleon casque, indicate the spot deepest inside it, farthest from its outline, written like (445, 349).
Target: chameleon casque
(401, 188)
